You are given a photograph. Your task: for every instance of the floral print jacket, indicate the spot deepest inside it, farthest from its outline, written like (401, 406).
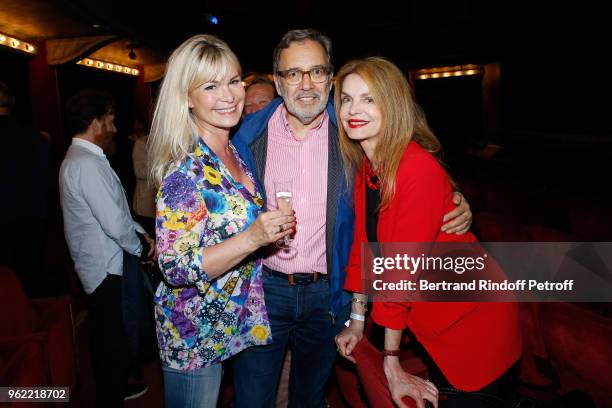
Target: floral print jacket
(201, 322)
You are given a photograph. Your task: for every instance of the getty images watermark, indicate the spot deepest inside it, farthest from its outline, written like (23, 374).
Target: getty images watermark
(550, 271)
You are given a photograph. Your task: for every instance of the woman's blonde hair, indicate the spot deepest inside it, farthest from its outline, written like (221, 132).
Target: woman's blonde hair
(174, 133)
(402, 121)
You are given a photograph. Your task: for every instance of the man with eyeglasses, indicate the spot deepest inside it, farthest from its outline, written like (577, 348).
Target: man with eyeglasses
(295, 137)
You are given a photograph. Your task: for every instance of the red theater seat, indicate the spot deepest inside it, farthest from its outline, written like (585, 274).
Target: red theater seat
(533, 346)
(23, 365)
(372, 376)
(579, 345)
(43, 323)
(349, 385)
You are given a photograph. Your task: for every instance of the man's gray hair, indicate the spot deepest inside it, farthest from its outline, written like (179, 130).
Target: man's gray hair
(299, 36)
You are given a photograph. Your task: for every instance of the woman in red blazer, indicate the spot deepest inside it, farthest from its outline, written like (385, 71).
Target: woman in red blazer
(401, 194)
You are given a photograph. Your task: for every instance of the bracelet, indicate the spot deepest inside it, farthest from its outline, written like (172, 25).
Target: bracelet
(362, 303)
(356, 316)
(392, 353)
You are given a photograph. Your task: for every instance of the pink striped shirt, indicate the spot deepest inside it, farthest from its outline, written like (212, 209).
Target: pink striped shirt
(305, 163)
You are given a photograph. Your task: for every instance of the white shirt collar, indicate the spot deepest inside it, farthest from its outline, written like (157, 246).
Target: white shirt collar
(92, 147)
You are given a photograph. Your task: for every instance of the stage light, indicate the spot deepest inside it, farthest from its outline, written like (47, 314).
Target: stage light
(447, 72)
(92, 63)
(16, 44)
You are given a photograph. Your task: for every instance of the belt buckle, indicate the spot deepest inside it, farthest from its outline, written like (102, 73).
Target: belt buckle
(291, 279)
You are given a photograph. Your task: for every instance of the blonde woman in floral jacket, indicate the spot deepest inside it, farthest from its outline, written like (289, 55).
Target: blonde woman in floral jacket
(209, 223)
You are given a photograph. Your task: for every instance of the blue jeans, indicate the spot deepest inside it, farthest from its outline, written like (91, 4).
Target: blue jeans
(299, 316)
(192, 389)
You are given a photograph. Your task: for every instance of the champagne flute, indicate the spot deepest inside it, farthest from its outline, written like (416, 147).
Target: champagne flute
(284, 202)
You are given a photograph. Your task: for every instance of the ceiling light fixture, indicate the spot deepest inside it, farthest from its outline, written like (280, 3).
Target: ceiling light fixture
(20, 45)
(446, 72)
(108, 66)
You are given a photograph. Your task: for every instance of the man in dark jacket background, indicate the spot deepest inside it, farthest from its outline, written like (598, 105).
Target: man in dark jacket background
(24, 158)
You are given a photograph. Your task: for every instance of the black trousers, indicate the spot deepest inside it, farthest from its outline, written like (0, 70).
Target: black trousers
(109, 347)
(492, 395)
(497, 391)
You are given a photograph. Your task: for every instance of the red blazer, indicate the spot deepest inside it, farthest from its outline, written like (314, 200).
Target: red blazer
(472, 343)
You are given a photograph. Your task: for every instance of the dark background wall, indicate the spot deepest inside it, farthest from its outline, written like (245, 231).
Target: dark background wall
(14, 73)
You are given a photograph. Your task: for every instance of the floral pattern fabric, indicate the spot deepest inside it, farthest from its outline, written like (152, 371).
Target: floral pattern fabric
(201, 322)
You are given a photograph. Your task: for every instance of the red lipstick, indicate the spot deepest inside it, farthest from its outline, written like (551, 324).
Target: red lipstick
(356, 123)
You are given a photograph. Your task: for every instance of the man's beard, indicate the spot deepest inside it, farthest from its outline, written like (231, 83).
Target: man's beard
(306, 114)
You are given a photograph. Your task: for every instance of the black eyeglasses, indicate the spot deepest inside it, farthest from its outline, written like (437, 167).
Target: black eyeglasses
(294, 76)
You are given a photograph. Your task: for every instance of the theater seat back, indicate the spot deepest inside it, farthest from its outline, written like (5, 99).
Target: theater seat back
(579, 345)
(18, 316)
(372, 376)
